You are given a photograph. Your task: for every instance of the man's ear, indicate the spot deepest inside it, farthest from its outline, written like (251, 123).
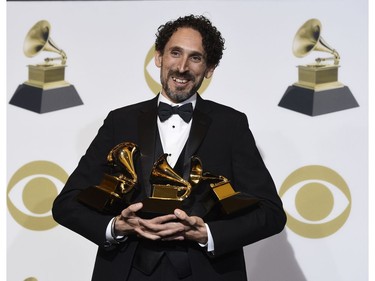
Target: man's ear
(158, 58)
(209, 72)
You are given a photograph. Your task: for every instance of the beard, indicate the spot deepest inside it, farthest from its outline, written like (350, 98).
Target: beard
(180, 94)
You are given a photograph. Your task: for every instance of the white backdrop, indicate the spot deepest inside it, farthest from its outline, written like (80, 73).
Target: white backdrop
(107, 43)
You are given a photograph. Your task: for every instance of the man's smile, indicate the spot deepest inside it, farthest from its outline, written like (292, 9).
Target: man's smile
(179, 80)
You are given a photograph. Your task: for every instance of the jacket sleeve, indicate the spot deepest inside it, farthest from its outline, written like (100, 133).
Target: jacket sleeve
(70, 213)
(250, 176)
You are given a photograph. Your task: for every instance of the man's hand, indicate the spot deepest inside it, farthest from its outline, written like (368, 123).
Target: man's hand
(177, 226)
(128, 223)
(194, 227)
(182, 228)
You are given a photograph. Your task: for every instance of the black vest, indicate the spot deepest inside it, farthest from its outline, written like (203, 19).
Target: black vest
(149, 253)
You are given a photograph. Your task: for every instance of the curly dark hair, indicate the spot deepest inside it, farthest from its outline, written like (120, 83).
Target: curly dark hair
(213, 42)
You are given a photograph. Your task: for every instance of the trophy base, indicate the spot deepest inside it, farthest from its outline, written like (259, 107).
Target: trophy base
(101, 200)
(312, 102)
(45, 100)
(236, 203)
(154, 207)
(231, 201)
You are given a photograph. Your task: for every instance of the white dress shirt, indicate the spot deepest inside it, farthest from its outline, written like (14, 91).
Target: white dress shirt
(174, 131)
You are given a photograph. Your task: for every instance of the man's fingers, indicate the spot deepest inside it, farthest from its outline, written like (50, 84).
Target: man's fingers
(145, 234)
(161, 230)
(129, 211)
(135, 207)
(163, 219)
(157, 227)
(182, 216)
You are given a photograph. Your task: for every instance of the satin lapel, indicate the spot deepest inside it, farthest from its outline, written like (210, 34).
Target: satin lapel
(147, 127)
(201, 123)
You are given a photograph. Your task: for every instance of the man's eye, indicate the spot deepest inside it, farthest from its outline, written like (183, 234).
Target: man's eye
(196, 58)
(175, 54)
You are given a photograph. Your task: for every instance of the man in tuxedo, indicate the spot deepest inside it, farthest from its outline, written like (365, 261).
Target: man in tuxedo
(182, 245)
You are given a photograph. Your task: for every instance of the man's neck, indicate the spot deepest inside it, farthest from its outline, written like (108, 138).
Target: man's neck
(164, 98)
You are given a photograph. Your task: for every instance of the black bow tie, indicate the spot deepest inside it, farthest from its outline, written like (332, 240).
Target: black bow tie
(185, 111)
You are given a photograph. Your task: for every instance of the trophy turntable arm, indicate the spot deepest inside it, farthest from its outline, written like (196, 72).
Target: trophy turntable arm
(335, 58)
(63, 58)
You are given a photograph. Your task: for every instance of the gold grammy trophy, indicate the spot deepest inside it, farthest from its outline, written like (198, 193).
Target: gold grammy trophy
(222, 193)
(318, 90)
(114, 192)
(45, 90)
(169, 190)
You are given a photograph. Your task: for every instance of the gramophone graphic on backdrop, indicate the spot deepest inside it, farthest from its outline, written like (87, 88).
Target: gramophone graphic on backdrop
(318, 90)
(201, 194)
(45, 90)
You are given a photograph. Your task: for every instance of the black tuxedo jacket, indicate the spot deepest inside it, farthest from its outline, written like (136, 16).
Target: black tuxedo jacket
(221, 138)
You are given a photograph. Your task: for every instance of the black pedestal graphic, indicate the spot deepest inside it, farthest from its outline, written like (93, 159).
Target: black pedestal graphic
(312, 102)
(45, 100)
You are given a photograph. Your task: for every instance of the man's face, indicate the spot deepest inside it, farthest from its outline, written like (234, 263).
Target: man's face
(182, 65)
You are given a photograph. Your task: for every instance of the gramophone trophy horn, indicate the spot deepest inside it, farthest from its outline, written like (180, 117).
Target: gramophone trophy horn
(168, 190)
(317, 90)
(122, 156)
(308, 38)
(166, 183)
(46, 89)
(38, 39)
(114, 192)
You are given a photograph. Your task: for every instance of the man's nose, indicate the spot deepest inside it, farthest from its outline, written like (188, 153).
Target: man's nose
(183, 64)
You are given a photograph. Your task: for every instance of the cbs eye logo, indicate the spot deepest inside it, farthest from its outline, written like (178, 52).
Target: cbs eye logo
(153, 84)
(317, 201)
(31, 192)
